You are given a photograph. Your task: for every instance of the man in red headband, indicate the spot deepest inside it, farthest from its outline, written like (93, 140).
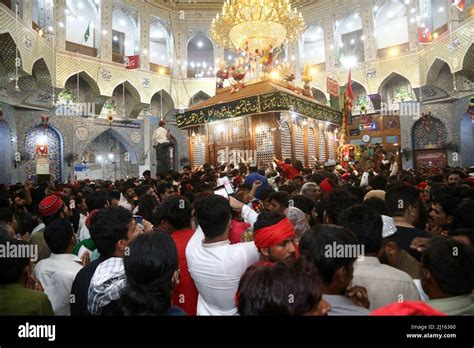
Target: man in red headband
(274, 237)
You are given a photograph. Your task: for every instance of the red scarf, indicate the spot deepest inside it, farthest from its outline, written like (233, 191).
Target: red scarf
(269, 236)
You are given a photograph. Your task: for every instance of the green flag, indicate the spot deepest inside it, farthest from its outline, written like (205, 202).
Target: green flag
(88, 32)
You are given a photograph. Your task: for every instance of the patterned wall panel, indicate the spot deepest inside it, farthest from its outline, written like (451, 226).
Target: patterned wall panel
(265, 144)
(322, 145)
(199, 151)
(429, 133)
(299, 144)
(311, 146)
(30, 45)
(331, 145)
(285, 141)
(6, 157)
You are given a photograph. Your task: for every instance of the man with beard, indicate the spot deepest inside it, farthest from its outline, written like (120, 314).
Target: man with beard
(127, 196)
(454, 177)
(274, 237)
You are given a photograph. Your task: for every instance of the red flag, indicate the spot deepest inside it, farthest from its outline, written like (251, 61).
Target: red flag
(424, 36)
(131, 62)
(459, 4)
(349, 94)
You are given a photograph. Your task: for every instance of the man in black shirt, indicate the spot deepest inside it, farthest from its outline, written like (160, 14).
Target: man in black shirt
(403, 206)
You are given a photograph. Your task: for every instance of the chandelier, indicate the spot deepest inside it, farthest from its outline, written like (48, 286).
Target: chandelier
(251, 25)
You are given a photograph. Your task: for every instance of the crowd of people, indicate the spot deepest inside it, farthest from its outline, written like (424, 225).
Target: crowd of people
(281, 240)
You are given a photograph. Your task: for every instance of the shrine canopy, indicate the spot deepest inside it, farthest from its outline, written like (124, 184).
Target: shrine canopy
(258, 98)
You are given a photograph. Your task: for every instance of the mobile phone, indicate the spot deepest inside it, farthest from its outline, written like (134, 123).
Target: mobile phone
(221, 191)
(229, 189)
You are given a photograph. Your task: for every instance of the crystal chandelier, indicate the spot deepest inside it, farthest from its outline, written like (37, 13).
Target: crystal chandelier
(251, 25)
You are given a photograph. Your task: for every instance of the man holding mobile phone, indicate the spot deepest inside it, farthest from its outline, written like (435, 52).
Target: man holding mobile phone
(254, 176)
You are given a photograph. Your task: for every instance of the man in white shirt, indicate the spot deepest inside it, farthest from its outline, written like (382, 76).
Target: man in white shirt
(385, 284)
(56, 273)
(161, 143)
(126, 197)
(215, 265)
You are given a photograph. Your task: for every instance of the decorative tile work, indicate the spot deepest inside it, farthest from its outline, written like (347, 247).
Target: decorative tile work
(55, 149)
(285, 141)
(311, 146)
(299, 143)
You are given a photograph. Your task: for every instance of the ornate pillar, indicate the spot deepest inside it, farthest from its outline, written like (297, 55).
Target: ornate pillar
(368, 26)
(329, 43)
(60, 24)
(454, 16)
(180, 45)
(26, 11)
(412, 24)
(144, 39)
(106, 9)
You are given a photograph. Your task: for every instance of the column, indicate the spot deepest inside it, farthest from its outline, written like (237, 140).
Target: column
(329, 43)
(106, 9)
(413, 25)
(60, 24)
(454, 16)
(293, 52)
(144, 40)
(368, 27)
(180, 45)
(25, 9)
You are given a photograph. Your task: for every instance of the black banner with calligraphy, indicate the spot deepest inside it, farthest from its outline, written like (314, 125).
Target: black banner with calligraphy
(264, 103)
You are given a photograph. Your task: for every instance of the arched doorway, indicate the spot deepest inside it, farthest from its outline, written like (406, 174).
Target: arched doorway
(6, 153)
(429, 136)
(42, 135)
(109, 157)
(200, 53)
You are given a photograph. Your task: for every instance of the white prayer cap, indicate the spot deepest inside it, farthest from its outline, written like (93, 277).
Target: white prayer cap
(389, 227)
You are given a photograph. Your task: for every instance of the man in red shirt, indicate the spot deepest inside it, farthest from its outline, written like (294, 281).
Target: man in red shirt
(289, 171)
(177, 221)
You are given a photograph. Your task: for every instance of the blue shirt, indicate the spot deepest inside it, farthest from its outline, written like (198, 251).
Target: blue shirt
(252, 177)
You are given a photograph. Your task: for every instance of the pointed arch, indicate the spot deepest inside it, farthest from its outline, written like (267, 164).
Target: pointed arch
(200, 52)
(319, 95)
(7, 59)
(433, 72)
(392, 77)
(161, 109)
(41, 74)
(121, 139)
(86, 77)
(198, 98)
(130, 88)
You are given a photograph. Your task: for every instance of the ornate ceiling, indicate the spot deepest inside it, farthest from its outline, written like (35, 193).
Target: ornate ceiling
(211, 4)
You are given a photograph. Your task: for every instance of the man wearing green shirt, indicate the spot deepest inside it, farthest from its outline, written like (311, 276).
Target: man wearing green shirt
(15, 275)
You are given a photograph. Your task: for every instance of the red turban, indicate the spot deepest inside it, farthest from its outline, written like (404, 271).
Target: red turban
(326, 185)
(422, 185)
(408, 308)
(269, 236)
